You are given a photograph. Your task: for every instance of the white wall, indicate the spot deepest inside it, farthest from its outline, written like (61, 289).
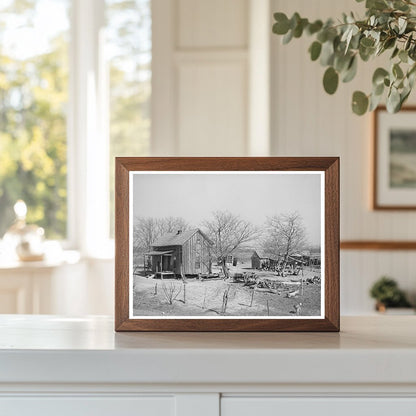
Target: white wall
(308, 122)
(215, 71)
(206, 61)
(211, 93)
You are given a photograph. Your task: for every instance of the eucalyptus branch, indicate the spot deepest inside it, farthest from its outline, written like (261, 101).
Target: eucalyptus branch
(388, 26)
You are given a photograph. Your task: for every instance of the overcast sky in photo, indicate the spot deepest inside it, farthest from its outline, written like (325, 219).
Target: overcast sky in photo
(253, 197)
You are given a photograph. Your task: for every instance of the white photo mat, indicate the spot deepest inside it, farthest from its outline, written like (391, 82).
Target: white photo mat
(134, 209)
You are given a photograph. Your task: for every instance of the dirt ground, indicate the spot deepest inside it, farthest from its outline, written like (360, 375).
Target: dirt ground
(206, 297)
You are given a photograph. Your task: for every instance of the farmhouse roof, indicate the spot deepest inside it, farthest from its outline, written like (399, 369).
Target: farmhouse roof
(261, 255)
(178, 238)
(159, 253)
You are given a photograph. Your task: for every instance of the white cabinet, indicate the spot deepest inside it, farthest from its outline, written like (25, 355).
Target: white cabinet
(88, 406)
(271, 406)
(79, 366)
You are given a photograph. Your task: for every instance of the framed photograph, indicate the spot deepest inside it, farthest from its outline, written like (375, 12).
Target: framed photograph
(227, 244)
(395, 159)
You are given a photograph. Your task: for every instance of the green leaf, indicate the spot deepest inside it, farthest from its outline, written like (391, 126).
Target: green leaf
(397, 71)
(366, 53)
(403, 96)
(379, 75)
(341, 61)
(408, 42)
(403, 56)
(327, 53)
(412, 52)
(315, 50)
(314, 27)
(412, 70)
(355, 41)
(400, 5)
(378, 89)
(402, 24)
(366, 48)
(374, 102)
(376, 4)
(411, 76)
(294, 20)
(359, 103)
(367, 42)
(351, 71)
(393, 101)
(298, 30)
(395, 52)
(330, 80)
(322, 36)
(288, 37)
(281, 27)
(389, 43)
(348, 35)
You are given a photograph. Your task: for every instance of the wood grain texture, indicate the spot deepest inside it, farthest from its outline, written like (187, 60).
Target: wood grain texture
(376, 204)
(121, 244)
(378, 245)
(330, 165)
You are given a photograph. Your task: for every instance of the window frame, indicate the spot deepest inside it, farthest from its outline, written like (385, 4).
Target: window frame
(87, 128)
(88, 133)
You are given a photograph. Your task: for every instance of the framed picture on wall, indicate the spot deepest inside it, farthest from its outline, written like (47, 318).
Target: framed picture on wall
(394, 186)
(227, 244)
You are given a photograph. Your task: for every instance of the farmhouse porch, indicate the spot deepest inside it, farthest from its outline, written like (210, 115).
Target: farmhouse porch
(180, 253)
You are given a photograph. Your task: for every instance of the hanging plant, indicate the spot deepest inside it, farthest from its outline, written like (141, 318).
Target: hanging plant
(389, 27)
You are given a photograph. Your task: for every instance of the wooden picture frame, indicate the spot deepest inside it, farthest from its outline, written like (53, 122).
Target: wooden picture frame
(394, 185)
(133, 175)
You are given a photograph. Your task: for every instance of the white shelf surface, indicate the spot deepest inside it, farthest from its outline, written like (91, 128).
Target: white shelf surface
(53, 349)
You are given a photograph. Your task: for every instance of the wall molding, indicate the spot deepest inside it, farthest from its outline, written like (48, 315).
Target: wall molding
(378, 245)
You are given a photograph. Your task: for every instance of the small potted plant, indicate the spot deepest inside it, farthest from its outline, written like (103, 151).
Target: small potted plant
(387, 294)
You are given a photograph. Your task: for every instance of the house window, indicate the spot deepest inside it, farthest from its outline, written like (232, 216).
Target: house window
(197, 265)
(75, 87)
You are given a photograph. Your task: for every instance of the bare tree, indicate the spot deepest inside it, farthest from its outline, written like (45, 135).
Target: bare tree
(171, 224)
(228, 232)
(286, 235)
(144, 233)
(171, 291)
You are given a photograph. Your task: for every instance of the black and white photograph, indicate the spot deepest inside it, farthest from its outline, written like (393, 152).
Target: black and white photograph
(226, 244)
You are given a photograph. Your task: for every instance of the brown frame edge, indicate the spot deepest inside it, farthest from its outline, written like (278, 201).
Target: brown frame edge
(330, 165)
(375, 205)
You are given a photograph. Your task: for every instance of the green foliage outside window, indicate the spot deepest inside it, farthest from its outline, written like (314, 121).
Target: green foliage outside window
(129, 42)
(34, 102)
(33, 99)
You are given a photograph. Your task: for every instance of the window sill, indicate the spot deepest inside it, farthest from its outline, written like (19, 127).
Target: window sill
(50, 261)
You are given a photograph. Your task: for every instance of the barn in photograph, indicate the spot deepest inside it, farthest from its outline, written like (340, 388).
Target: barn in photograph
(259, 261)
(181, 253)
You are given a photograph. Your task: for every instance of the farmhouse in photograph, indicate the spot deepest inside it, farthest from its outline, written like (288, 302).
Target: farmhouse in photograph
(181, 253)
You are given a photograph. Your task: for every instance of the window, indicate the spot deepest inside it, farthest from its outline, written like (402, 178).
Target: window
(33, 103)
(75, 87)
(129, 43)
